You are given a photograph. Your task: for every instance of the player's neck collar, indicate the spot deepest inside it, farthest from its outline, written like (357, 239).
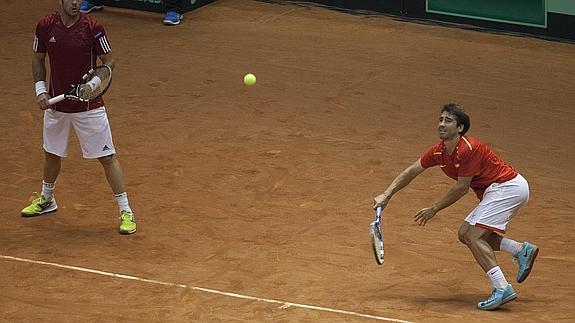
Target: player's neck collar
(71, 22)
(450, 145)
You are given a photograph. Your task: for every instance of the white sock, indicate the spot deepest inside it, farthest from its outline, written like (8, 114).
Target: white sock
(510, 246)
(123, 204)
(497, 278)
(48, 190)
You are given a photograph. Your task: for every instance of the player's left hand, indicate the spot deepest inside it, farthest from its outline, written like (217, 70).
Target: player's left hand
(42, 100)
(424, 215)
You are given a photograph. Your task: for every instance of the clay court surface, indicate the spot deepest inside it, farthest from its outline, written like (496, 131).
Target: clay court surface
(265, 191)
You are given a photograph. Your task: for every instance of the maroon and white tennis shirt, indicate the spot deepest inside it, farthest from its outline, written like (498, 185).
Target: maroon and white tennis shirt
(72, 52)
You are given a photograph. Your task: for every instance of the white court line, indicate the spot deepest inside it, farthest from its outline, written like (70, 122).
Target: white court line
(284, 304)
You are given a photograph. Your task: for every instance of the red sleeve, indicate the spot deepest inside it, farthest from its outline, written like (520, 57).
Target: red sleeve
(428, 158)
(101, 43)
(39, 45)
(470, 162)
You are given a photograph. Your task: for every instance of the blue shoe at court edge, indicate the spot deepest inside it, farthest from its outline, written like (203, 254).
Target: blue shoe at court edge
(87, 7)
(499, 297)
(172, 18)
(525, 259)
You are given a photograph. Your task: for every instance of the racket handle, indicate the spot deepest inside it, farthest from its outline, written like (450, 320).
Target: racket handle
(56, 99)
(378, 210)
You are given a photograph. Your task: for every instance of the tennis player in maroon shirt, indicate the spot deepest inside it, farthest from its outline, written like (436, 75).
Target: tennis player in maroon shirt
(501, 192)
(73, 42)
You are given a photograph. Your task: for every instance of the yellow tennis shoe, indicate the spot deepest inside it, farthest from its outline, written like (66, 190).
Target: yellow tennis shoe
(127, 222)
(39, 206)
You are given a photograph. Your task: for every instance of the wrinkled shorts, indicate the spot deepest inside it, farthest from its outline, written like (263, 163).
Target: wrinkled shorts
(91, 127)
(500, 203)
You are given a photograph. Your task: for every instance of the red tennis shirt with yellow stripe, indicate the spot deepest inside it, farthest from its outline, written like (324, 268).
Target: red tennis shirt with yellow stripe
(72, 52)
(470, 158)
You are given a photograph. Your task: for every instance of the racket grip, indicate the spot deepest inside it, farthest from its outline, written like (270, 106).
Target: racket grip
(378, 210)
(56, 99)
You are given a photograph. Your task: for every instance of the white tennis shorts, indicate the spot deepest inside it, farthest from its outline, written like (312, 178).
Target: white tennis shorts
(92, 129)
(500, 202)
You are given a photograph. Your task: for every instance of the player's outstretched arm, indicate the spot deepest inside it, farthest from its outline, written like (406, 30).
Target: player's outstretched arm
(456, 192)
(401, 181)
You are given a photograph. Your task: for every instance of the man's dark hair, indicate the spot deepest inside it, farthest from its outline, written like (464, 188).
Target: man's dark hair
(462, 117)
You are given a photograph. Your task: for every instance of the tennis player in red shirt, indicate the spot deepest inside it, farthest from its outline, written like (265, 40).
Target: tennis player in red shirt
(73, 41)
(501, 192)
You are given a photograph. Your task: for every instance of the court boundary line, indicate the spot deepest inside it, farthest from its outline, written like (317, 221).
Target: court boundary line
(284, 304)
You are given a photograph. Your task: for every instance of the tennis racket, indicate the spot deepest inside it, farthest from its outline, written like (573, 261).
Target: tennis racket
(377, 236)
(92, 86)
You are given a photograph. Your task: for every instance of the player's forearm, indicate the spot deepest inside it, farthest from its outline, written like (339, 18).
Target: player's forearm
(38, 69)
(107, 59)
(454, 194)
(401, 181)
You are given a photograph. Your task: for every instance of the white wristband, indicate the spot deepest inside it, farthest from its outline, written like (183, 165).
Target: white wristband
(40, 87)
(94, 82)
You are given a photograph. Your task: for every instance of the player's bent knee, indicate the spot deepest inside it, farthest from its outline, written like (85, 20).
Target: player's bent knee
(468, 238)
(461, 238)
(461, 234)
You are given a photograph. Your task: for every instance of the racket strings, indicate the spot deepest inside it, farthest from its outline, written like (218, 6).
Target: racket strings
(377, 239)
(96, 83)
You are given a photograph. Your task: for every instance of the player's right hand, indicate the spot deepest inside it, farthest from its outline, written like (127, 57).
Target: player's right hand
(43, 101)
(380, 200)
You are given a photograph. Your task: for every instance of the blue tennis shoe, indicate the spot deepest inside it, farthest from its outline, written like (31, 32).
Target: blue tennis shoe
(499, 297)
(525, 259)
(173, 18)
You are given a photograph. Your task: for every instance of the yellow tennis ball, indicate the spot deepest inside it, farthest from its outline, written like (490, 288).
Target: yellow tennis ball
(249, 79)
